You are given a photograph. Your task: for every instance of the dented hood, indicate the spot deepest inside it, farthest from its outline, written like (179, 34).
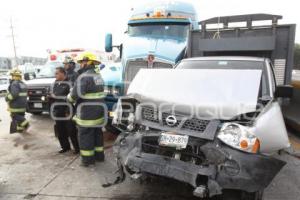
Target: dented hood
(209, 93)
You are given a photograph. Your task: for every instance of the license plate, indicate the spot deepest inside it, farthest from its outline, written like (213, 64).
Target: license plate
(173, 140)
(38, 105)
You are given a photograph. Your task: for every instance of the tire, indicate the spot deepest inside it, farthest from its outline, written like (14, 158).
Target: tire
(241, 195)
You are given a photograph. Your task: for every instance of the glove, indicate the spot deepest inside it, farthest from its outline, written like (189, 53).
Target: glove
(6, 98)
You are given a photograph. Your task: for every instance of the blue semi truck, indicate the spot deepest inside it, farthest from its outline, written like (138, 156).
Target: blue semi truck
(157, 37)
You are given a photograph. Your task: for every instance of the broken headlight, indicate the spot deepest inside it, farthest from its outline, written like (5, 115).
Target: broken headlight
(130, 119)
(124, 116)
(239, 137)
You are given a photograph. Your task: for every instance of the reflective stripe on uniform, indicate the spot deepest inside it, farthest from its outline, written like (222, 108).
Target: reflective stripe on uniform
(23, 94)
(90, 122)
(17, 110)
(99, 149)
(25, 123)
(19, 128)
(96, 95)
(70, 98)
(87, 152)
(10, 97)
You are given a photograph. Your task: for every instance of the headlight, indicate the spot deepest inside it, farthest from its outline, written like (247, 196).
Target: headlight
(112, 90)
(107, 90)
(239, 137)
(115, 91)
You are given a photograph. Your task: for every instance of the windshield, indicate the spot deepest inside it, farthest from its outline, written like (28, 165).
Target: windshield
(161, 30)
(230, 64)
(220, 64)
(48, 70)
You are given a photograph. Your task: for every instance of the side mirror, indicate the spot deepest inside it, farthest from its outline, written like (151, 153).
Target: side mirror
(284, 91)
(108, 43)
(27, 76)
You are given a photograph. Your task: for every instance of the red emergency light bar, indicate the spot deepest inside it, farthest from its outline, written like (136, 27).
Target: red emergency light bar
(53, 57)
(70, 50)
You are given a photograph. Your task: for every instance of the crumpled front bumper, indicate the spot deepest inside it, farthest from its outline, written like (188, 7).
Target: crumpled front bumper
(225, 168)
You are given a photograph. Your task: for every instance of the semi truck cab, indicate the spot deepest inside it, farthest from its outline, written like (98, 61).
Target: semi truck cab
(156, 38)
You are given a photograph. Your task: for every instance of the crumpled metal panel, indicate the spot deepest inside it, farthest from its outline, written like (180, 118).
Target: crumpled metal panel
(226, 168)
(270, 128)
(218, 94)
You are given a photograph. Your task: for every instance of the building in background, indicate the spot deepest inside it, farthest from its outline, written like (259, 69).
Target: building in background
(8, 63)
(5, 63)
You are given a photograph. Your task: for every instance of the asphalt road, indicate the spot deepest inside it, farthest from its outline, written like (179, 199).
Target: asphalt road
(31, 168)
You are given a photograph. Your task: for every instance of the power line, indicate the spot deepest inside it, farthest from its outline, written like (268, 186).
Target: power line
(13, 40)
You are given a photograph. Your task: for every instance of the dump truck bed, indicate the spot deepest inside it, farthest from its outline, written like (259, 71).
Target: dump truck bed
(239, 36)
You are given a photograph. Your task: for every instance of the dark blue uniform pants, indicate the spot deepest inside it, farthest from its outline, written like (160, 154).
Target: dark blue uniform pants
(91, 144)
(18, 123)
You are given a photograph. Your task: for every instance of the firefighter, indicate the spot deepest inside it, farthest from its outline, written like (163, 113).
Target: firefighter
(17, 100)
(88, 94)
(69, 65)
(62, 113)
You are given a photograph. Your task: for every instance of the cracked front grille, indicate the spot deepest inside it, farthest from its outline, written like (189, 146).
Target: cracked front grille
(164, 117)
(193, 124)
(150, 114)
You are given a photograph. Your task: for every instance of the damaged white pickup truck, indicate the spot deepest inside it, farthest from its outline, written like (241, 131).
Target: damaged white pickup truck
(212, 122)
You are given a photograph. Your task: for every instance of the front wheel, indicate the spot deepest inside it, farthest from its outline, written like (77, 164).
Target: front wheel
(241, 195)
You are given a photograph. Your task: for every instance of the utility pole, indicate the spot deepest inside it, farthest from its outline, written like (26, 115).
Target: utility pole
(13, 40)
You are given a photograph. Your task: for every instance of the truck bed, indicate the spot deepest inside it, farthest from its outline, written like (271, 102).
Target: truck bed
(271, 40)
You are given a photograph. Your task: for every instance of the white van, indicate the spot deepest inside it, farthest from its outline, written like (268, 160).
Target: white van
(4, 83)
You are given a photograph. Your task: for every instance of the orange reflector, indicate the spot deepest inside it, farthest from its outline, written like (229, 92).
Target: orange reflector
(256, 146)
(158, 14)
(244, 144)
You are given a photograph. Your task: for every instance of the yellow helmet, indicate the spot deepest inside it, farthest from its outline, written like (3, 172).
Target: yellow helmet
(88, 56)
(16, 72)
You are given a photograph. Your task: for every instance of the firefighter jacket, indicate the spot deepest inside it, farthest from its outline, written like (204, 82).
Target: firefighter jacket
(88, 94)
(17, 96)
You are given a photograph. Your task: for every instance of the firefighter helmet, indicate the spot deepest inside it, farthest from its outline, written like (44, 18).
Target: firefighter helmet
(16, 72)
(88, 56)
(68, 59)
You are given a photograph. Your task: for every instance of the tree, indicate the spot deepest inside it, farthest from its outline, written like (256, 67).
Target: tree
(297, 56)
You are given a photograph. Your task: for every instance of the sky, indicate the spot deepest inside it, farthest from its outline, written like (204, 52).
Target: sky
(43, 24)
